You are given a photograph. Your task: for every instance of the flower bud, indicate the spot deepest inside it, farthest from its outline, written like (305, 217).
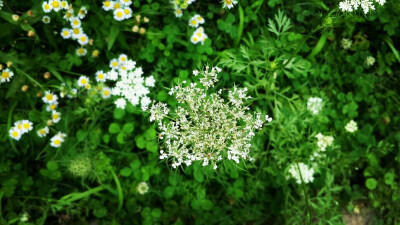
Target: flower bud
(46, 75)
(142, 30)
(146, 20)
(24, 88)
(135, 29)
(39, 94)
(49, 122)
(95, 53)
(9, 64)
(31, 33)
(137, 18)
(30, 13)
(15, 17)
(1, 67)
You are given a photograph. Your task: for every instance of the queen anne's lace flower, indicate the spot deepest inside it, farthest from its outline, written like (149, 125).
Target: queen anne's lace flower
(301, 173)
(323, 141)
(314, 105)
(351, 126)
(353, 5)
(205, 127)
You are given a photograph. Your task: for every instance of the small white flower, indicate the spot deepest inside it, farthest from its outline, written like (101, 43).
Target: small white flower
(66, 33)
(126, 2)
(106, 92)
(46, 19)
(81, 51)
(83, 39)
(119, 14)
(55, 116)
(52, 106)
(193, 22)
(178, 12)
(112, 75)
(56, 4)
(100, 76)
(142, 188)
(108, 5)
(46, 7)
(83, 81)
(76, 32)
(145, 102)
(301, 173)
(229, 3)
(351, 126)
(6, 75)
(82, 12)
(49, 97)
(314, 105)
(26, 126)
(57, 140)
(268, 118)
(120, 103)
(15, 133)
(43, 132)
(75, 22)
(149, 81)
(324, 141)
(64, 5)
(346, 43)
(369, 60)
(114, 64)
(128, 13)
(121, 59)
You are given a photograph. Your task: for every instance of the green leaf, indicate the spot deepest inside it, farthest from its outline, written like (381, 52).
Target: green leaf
(119, 113)
(135, 164)
(52, 166)
(100, 213)
(169, 192)
(114, 31)
(389, 178)
(121, 138)
(371, 183)
(126, 172)
(140, 142)
(114, 128)
(128, 128)
(156, 213)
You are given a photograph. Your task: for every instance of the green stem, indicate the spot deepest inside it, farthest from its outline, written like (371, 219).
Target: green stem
(9, 126)
(29, 77)
(305, 195)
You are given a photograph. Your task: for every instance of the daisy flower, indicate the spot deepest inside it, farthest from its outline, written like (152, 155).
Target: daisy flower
(81, 51)
(49, 97)
(100, 76)
(200, 19)
(69, 14)
(26, 126)
(106, 92)
(114, 64)
(108, 5)
(43, 132)
(18, 125)
(178, 12)
(83, 81)
(52, 106)
(56, 4)
(55, 116)
(88, 86)
(57, 140)
(229, 3)
(46, 19)
(82, 12)
(119, 14)
(15, 133)
(95, 53)
(117, 5)
(66, 33)
(122, 58)
(120, 103)
(128, 12)
(193, 22)
(46, 7)
(76, 32)
(126, 2)
(64, 4)
(75, 22)
(83, 39)
(6, 74)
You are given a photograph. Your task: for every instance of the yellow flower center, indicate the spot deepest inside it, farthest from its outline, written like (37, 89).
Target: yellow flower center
(68, 15)
(199, 34)
(47, 7)
(87, 86)
(107, 3)
(228, 2)
(195, 39)
(83, 38)
(49, 97)
(42, 131)
(65, 33)
(193, 22)
(53, 107)
(26, 125)
(76, 31)
(19, 126)
(199, 18)
(64, 4)
(81, 12)
(95, 53)
(55, 116)
(5, 75)
(57, 142)
(101, 76)
(119, 14)
(114, 64)
(123, 59)
(83, 81)
(106, 93)
(15, 133)
(127, 11)
(81, 51)
(117, 5)
(56, 4)
(76, 22)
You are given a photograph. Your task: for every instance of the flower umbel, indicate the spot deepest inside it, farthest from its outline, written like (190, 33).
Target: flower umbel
(205, 127)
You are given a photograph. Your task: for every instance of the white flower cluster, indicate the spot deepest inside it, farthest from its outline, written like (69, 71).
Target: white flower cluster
(205, 127)
(301, 173)
(369, 61)
(351, 126)
(314, 105)
(1, 4)
(229, 3)
(130, 85)
(346, 43)
(366, 5)
(76, 31)
(323, 141)
(20, 127)
(142, 188)
(6, 75)
(121, 10)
